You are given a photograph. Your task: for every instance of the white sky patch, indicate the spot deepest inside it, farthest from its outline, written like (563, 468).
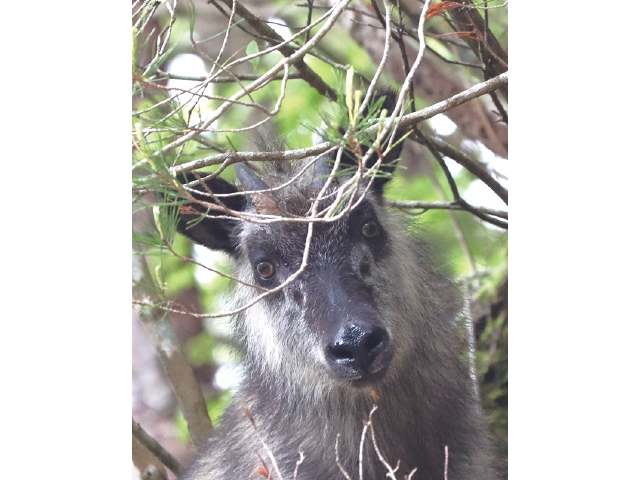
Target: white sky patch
(279, 27)
(191, 65)
(496, 165)
(228, 376)
(499, 168)
(209, 258)
(442, 125)
(454, 167)
(479, 195)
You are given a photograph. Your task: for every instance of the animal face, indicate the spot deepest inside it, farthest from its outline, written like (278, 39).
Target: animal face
(327, 320)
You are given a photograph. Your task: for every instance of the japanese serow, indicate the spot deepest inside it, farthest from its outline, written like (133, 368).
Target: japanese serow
(368, 321)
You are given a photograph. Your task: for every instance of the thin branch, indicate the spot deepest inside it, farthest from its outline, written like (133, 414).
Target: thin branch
(456, 196)
(213, 270)
(456, 100)
(262, 28)
(468, 20)
(158, 450)
(369, 423)
(309, 16)
(501, 111)
(467, 162)
(363, 436)
(173, 361)
(385, 54)
(483, 216)
(344, 472)
(446, 462)
(243, 77)
(234, 157)
(471, 339)
(457, 230)
(298, 463)
(407, 121)
(436, 154)
(299, 54)
(483, 51)
(425, 206)
(264, 444)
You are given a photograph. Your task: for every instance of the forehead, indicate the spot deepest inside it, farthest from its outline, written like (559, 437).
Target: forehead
(294, 199)
(287, 239)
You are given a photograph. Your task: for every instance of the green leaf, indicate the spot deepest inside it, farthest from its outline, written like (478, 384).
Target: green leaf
(252, 49)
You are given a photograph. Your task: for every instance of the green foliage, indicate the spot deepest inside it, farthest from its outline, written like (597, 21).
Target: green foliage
(252, 48)
(215, 407)
(200, 349)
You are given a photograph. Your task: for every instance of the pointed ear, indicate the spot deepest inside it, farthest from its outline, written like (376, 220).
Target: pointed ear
(196, 220)
(389, 161)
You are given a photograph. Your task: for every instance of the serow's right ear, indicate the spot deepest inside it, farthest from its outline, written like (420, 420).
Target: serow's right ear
(198, 222)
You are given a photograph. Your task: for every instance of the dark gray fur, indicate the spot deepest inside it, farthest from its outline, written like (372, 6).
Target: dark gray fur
(298, 398)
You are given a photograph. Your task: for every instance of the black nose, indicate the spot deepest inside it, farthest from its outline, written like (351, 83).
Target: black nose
(358, 351)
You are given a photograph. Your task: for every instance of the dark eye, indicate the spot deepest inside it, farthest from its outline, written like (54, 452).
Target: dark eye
(370, 229)
(266, 270)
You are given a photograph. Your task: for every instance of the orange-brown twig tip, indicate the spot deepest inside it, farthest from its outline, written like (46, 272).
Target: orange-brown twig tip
(375, 396)
(245, 410)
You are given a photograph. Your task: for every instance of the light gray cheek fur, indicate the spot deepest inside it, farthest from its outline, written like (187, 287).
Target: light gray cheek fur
(278, 341)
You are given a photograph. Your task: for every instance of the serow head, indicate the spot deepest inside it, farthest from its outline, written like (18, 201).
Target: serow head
(326, 320)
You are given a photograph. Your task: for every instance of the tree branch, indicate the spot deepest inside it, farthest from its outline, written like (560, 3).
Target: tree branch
(158, 450)
(234, 79)
(420, 205)
(173, 361)
(467, 162)
(406, 121)
(458, 99)
(262, 28)
(264, 79)
(469, 20)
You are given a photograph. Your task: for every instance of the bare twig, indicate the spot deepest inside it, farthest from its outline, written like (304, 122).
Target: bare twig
(392, 471)
(298, 463)
(425, 206)
(208, 79)
(264, 444)
(344, 472)
(363, 436)
(259, 83)
(446, 462)
(306, 73)
(158, 450)
(469, 21)
(471, 339)
(474, 167)
(213, 270)
(452, 102)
